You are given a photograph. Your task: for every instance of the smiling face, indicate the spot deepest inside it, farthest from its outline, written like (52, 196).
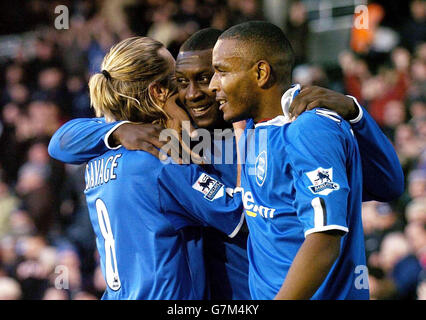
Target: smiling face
(193, 73)
(234, 81)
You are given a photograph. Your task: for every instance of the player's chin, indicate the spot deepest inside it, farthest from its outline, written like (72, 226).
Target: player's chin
(228, 117)
(232, 117)
(235, 119)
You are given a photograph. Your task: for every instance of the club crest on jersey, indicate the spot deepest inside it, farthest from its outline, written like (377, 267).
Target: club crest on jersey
(322, 180)
(260, 168)
(211, 188)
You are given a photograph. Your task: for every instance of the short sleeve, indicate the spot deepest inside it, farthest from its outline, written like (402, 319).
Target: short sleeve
(317, 153)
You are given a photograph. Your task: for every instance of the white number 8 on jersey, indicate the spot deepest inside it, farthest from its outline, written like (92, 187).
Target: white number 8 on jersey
(111, 271)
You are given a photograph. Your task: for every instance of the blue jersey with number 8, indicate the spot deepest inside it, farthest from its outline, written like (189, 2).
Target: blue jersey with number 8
(140, 209)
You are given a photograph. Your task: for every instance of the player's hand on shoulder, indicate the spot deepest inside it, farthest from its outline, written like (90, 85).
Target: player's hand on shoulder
(311, 97)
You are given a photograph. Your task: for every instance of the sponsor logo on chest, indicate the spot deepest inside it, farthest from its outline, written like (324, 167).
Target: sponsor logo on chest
(252, 209)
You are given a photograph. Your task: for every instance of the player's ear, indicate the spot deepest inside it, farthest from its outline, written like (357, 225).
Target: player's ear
(264, 74)
(158, 92)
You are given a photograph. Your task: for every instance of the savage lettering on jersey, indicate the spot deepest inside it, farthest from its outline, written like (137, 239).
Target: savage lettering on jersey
(101, 171)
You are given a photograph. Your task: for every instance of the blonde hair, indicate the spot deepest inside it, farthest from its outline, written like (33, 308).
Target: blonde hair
(121, 90)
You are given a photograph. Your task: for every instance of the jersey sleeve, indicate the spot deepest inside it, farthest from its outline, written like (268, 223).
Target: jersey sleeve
(317, 152)
(80, 140)
(383, 178)
(189, 197)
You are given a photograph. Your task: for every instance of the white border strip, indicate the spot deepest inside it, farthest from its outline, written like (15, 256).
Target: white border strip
(277, 121)
(330, 115)
(237, 229)
(326, 228)
(106, 138)
(318, 212)
(360, 114)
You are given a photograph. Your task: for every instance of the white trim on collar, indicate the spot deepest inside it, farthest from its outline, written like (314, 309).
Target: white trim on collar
(277, 121)
(286, 100)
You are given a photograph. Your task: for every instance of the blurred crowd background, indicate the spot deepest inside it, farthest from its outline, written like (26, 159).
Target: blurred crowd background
(47, 245)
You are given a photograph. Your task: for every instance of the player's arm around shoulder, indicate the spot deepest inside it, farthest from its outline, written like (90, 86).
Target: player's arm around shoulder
(80, 140)
(382, 171)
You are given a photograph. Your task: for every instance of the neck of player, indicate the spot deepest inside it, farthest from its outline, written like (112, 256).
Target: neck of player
(269, 105)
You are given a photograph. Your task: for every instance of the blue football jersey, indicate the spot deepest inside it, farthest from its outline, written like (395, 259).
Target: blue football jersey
(79, 140)
(299, 178)
(225, 258)
(139, 208)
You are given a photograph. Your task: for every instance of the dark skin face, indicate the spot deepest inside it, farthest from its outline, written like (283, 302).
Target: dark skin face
(231, 81)
(193, 74)
(246, 88)
(242, 84)
(146, 136)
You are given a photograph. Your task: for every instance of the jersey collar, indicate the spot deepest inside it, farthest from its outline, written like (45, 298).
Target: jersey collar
(286, 100)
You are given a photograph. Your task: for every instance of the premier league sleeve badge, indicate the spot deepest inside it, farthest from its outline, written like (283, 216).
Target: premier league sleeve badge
(322, 181)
